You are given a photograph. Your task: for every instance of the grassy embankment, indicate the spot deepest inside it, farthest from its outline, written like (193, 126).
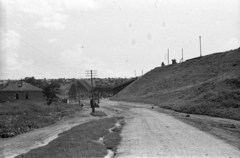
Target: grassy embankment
(82, 141)
(209, 85)
(23, 116)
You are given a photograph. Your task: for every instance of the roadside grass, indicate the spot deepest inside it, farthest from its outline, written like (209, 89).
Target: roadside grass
(219, 102)
(22, 116)
(117, 129)
(80, 141)
(112, 140)
(207, 108)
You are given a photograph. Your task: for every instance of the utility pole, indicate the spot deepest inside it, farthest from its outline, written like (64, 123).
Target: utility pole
(182, 55)
(142, 72)
(200, 46)
(92, 73)
(168, 56)
(135, 73)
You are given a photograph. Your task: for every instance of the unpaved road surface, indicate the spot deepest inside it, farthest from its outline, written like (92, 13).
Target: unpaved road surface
(153, 134)
(147, 134)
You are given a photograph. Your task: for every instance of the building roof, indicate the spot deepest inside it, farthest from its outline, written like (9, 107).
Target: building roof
(21, 86)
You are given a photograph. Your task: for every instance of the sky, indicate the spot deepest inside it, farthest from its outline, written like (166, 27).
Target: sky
(118, 38)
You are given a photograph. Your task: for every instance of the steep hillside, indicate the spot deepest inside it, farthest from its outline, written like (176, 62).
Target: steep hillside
(65, 88)
(208, 85)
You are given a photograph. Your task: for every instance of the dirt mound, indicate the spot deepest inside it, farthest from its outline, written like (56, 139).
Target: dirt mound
(207, 85)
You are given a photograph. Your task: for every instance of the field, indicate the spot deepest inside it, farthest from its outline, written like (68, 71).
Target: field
(23, 116)
(208, 85)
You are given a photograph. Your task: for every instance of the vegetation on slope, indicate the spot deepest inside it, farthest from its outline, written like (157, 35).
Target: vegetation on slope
(209, 85)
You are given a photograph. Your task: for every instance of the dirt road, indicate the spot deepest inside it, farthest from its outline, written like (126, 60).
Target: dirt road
(147, 134)
(152, 134)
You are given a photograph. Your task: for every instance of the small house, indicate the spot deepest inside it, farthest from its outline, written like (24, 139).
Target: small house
(21, 91)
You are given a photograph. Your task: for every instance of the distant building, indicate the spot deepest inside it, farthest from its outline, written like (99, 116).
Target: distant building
(3, 83)
(163, 64)
(21, 91)
(174, 61)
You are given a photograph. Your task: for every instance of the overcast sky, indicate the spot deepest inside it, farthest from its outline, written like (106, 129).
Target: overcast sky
(64, 38)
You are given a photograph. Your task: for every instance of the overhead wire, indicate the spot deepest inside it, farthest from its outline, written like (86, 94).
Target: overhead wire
(34, 48)
(36, 55)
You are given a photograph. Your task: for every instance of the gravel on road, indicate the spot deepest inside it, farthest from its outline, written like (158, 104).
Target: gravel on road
(152, 134)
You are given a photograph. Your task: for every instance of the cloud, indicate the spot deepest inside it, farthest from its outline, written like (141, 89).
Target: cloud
(81, 4)
(10, 40)
(55, 22)
(52, 40)
(9, 51)
(75, 59)
(52, 13)
(49, 12)
(31, 7)
(11, 65)
(43, 7)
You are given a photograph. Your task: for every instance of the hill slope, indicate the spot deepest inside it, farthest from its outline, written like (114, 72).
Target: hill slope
(208, 85)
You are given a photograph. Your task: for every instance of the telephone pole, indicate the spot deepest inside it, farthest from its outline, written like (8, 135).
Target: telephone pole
(168, 56)
(182, 55)
(92, 73)
(200, 46)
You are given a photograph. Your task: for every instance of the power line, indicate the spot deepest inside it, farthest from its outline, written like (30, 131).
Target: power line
(39, 51)
(36, 37)
(36, 50)
(27, 30)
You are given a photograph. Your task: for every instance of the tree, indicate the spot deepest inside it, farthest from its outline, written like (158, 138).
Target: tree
(50, 92)
(35, 82)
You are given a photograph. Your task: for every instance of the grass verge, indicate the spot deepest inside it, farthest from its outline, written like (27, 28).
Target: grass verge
(80, 141)
(113, 139)
(23, 116)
